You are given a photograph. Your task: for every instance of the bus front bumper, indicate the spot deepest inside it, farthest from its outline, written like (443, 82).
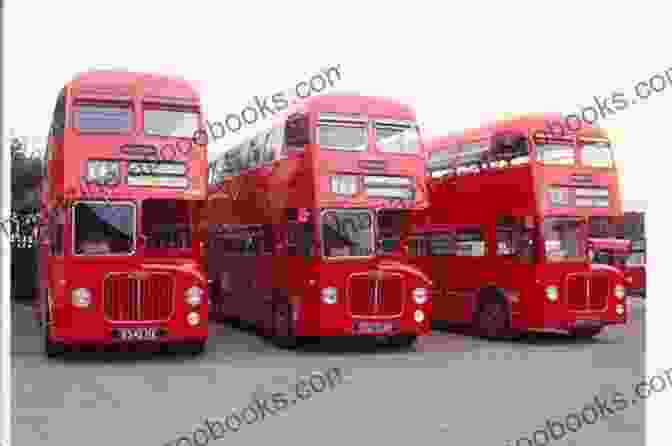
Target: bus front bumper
(81, 327)
(558, 318)
(411, 323)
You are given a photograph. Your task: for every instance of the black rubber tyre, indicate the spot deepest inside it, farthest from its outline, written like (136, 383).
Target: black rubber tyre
(586, 333)
(194, 348)
(404, 341)
(283, 327)
(51, 349)
(492, 319)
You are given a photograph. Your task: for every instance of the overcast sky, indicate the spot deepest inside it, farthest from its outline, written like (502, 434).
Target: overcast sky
(457, 66)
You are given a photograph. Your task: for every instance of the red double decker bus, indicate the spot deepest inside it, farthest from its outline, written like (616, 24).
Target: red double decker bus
(505, 235)
(622, 243)
(635, 268)
(609, 251)
(119, 257)
(304, 224)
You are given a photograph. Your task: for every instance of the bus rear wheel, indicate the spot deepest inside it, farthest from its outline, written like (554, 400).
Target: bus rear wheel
(492, 319)
(283, 326)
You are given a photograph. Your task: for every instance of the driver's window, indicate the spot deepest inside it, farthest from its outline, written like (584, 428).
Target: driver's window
(347, 234)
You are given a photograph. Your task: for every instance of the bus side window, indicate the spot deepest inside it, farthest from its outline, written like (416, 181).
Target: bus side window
(268, 240)
(470, 157)
(254, 154)
(269, 154)
(277, 142)
(300, 239)
(297, 132)
(56, 228)
(252, 241)
(234, 161)
(441, 245)
(509, 149)
(514, 239)
(470, 242)
(418, 246)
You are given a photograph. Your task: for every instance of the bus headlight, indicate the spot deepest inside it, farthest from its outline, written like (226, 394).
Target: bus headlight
(419, 316)
(420, 295)
(619, 292)
(620, 309)
(193, 319)
(329, 295)
(81, 298)
(193, 296)
(344, 184)
(552, 293)
(103, 172)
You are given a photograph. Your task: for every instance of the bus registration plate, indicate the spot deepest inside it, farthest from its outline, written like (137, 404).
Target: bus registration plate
(139, 334)
(374, 327)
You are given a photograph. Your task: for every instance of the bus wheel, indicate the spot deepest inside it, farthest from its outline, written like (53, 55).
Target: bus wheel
(492, 319)
(403, 341)
(52, 349)
(586, 333)
(194, 348)
(283, 330)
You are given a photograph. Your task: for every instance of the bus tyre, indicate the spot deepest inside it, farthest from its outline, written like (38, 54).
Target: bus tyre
(492, 319)
(51, 349)
(194, 348)
(283, 326)
(403, 341)
(586, 333)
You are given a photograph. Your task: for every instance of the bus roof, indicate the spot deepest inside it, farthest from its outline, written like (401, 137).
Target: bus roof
(346, 103)
(120, 84)
(355, 104)
(549, 122)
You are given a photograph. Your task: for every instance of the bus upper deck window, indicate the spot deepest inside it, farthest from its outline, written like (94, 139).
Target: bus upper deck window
(342, 132)
(510, 148)
(401, 137)
(170, 122)
(103, 118)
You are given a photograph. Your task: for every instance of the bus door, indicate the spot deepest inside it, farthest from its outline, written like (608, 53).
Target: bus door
(51, 254)
(463, 265)
(514, 256)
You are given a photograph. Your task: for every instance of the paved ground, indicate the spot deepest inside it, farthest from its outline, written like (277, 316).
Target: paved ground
(452, 389)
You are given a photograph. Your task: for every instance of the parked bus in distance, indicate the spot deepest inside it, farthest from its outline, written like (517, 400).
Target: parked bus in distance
(609, 251)
(295, 216)
(628, 230)
(118, 251)
(505, 235)
(635, 268)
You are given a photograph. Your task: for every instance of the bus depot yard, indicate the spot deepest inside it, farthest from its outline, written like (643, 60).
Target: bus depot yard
(444, 388)
(338, 238)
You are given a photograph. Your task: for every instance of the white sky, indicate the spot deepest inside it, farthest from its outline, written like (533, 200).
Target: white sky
(457, 66)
